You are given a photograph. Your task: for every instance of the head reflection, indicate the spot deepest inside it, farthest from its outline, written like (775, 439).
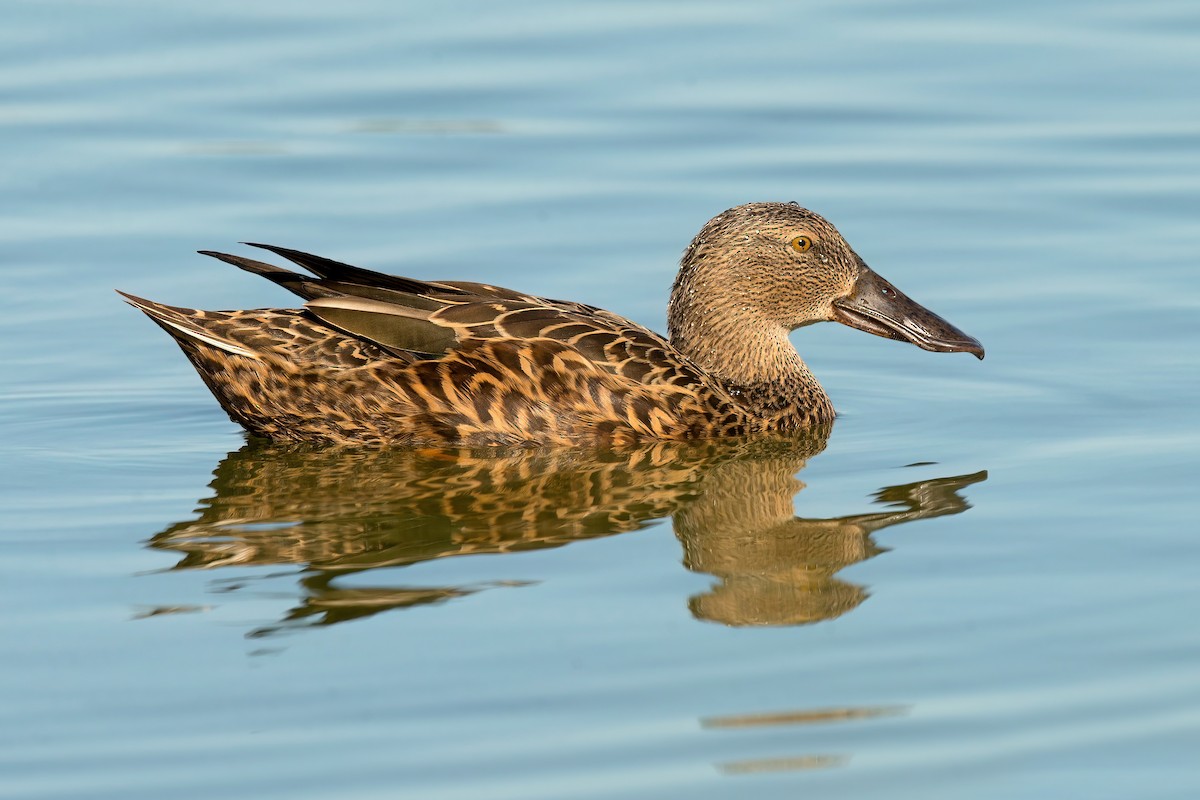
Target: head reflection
(335, 512)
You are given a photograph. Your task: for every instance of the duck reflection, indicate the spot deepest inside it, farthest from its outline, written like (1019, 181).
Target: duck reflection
(336, 512)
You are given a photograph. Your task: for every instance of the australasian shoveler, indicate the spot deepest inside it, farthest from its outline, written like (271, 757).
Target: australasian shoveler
(374, 358)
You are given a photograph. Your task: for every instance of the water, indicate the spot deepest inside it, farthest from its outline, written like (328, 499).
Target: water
(985, 587)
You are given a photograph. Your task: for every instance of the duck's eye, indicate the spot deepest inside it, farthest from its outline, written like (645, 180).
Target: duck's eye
(802, 244)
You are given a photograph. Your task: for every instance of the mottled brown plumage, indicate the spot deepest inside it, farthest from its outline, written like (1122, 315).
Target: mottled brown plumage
(374, 358)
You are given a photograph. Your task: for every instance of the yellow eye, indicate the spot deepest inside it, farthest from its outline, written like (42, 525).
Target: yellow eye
(801, 244)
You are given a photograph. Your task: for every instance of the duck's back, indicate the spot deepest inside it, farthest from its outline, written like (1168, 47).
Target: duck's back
(378, 358)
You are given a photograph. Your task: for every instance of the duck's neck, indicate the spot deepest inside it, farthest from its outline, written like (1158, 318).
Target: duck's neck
(747, 353)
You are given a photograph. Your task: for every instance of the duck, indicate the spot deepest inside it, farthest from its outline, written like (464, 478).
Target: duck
(377, 359)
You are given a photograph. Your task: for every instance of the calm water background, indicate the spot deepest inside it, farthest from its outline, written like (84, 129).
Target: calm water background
(1029, 170)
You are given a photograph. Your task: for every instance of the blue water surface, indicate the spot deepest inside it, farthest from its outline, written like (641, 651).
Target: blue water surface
(1014, 617)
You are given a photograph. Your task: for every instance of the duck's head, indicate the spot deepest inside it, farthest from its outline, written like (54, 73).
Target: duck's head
(778, 266)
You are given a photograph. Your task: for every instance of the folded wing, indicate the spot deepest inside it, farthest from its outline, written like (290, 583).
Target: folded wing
(414, 320)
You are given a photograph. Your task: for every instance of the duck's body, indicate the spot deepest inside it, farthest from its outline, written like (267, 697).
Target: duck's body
(373, 358)
(519, 371)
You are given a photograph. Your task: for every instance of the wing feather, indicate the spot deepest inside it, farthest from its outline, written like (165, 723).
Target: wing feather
(415, 319)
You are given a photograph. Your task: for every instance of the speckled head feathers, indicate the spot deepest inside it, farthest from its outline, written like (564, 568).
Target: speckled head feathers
(782, 264)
